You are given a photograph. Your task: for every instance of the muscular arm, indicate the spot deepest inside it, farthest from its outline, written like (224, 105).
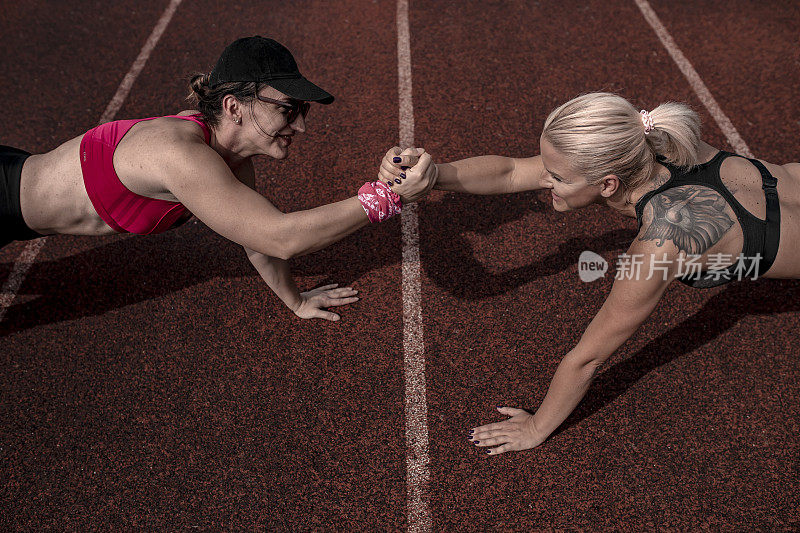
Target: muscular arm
(630, 303)
(488, 174)
(273, 270)
(491, 174)
(200, 179)
(690, 219)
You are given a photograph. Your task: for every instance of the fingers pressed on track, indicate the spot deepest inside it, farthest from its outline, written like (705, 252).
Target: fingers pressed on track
(511, 411)
(343, 291)
(335, 302)
(327, 315)
(488, 427)
(500, 449)
(492, 441)
(493, 432)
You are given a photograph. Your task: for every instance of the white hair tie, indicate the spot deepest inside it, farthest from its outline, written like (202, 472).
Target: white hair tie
(647, 121)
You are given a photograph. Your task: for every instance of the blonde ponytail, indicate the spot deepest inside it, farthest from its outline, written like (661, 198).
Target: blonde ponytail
(602, 134)
(676, 134)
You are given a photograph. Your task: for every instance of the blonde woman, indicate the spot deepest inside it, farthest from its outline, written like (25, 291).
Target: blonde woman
(706, 217)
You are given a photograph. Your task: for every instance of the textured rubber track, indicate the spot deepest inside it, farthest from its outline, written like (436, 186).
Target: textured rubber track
(155, 383)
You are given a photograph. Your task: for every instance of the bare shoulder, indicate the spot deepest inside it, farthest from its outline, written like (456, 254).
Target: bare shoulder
(179, 153)
(154, 153)
(191, 151)
(689, 218)
(188, 112)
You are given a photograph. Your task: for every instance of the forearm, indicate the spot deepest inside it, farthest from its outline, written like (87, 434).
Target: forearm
(488, 174)
(314, 229)
(275, 272)
(567, 388)
(577, 369)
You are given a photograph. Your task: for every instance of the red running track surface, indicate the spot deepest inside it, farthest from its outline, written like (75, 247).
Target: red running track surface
(155, 383)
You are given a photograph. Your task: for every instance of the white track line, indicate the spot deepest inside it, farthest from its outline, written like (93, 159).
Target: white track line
(32, 249)
(417, 476)
(125, 87)
(694, 80)
(18, 272)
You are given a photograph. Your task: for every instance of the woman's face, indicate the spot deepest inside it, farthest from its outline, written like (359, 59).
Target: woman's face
(270, 121)
(569, 189)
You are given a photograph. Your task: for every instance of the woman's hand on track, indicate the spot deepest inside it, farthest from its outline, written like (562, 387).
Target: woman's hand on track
(517, 433)
(314, 302)
(410, 173)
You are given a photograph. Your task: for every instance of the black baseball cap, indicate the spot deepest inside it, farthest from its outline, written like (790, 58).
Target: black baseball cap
(267, 61)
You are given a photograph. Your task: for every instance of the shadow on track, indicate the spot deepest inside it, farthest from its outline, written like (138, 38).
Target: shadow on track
(450, 259)
(120, 273)
(131, 270)
(720, 313)
(136, 269)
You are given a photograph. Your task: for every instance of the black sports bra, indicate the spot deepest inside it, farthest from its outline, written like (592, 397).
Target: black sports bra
(761, 237)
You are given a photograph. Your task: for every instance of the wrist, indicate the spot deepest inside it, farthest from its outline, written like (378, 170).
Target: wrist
(379, 201)
(538, 428)
(294, 304)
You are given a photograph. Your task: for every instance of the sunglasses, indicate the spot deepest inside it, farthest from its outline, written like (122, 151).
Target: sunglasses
(295, 108)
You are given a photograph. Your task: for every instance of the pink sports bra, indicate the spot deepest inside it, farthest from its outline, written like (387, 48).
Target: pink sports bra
(121, 209)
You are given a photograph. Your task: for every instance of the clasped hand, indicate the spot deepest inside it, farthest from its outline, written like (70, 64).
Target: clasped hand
(410, 173)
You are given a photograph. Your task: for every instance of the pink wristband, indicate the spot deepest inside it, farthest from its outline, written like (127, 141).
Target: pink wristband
(379, 201)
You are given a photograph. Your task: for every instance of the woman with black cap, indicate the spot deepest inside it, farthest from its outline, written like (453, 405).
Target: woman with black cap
(148, 175)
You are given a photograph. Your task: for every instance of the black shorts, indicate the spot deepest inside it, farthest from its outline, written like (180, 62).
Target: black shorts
(12, 226)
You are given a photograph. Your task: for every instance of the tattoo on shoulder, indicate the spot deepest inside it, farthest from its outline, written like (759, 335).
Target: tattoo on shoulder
(693, 217)
(660, 179)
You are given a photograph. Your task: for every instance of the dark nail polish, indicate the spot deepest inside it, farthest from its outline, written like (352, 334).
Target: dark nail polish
(396, 160)
(476, 442)
(403, 168)
(489, 451)
(389, 183)
(403, 175)
(471, 431)
(397, 180)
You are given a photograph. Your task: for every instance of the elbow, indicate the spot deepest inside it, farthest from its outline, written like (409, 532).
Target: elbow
(269, 249)
(593, 367)
(510, 178)
(585, 364)
(285, 252)
(586, 370)
(287, 240)
(280, 243)
(291, 248)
